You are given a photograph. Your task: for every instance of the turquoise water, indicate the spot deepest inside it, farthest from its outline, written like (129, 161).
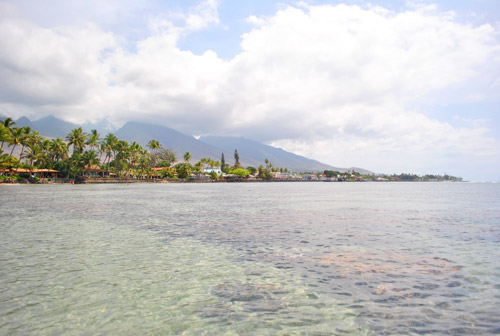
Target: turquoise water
(257, 259)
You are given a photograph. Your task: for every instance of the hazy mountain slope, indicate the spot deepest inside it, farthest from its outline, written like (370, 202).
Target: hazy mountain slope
(253, 153)
(54, 127)
(23, 122)
(169, 138)
(49, 126)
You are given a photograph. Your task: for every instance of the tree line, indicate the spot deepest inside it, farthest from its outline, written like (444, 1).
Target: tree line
(353, 176)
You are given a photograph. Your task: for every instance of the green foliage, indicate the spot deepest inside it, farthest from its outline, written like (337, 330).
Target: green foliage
(183, 170)
(213, 175)
(241, 172)
(331, 173)
(168, 172)
(164, 164)
(265, 173)
(413, 177)
(77, 138)
(4, 134)
(198, 167)
(62, 167)
(89, 158)
(7, 161)
(11, 178)
(166, 155)
(154, 145)
(224, 167)
(252, 170)
(408, 177)
(93, 139)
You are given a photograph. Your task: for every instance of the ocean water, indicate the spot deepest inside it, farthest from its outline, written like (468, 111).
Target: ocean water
(250, 259)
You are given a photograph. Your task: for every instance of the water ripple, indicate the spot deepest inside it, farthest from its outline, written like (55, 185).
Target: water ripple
(319, 259)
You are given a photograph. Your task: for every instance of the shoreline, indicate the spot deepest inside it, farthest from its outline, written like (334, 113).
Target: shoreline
(175, 181)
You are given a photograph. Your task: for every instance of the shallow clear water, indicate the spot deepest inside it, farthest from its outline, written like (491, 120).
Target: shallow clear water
(258, 258)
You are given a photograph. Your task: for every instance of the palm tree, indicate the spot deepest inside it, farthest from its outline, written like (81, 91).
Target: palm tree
(121, 148)
(35, 155)
(134, 151)
(16, 137)
(88, 159)
(4, 135)
(198, 166)
(77, 137)
(102, 150)
(76, 160)
(93, 139)
(58, 149)
(46, 144)
(5, 130)
(31, 138)
(154, 145)
(107, 147)
(110, 142)
(144, 166)
(7, 161)
(27, 130)
(187, 157)
(8, 122)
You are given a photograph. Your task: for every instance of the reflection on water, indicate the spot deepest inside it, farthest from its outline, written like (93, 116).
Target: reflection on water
(315, 258)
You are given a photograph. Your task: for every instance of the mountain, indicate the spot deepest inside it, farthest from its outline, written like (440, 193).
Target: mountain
(253, 153)
(23, 122)
(169, 138)
(49, 126)
(54, 127)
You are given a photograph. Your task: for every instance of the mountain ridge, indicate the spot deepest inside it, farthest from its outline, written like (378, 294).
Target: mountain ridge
(251, 152)
(180, 143)
(254, 153)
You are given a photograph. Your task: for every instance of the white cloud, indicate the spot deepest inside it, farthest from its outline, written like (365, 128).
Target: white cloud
(351, 75)
(337, 83)
(197, 18)
(50, 67)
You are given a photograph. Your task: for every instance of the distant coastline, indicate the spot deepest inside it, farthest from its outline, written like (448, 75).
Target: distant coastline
(63, 181)
(28, 157)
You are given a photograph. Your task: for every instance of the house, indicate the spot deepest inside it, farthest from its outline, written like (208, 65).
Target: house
(95, 171)
(210, 170)
(169, 170)
(34, 172)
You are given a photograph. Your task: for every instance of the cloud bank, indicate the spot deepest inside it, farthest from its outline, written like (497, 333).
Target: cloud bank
(347, 85)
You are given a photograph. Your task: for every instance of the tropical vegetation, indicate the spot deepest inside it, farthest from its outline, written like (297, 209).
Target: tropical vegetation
(80, 153)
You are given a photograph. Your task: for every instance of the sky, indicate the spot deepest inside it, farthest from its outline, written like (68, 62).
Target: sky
(391, 86)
